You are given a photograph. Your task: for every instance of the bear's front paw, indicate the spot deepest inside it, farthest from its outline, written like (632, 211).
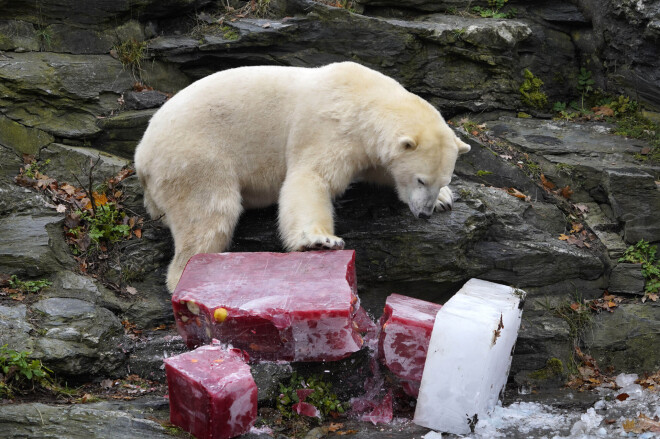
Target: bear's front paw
(313, 241)
(445, 200)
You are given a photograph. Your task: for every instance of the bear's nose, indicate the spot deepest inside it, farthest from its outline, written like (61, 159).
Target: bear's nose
(424, 215)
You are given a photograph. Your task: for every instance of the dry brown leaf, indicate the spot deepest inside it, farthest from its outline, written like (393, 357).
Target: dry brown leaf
(516, 193)
(138, 233)
(603, 111)
(622, 396)
(334, 426)
(563, 237)
(547, 183)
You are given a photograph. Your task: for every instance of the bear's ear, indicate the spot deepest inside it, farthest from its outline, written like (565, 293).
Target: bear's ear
(462, 146)
(407, 143)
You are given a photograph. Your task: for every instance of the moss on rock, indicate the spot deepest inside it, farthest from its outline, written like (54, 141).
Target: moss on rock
(22, 139)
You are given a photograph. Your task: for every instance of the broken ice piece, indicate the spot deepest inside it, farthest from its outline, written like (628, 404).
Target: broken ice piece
(405, 333)
(469, 356)
(211, 392)
(275, 306)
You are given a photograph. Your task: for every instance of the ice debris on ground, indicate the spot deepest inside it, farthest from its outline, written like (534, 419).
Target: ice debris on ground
(605, 419)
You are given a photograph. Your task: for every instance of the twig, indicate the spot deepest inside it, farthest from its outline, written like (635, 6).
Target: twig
(90, 190)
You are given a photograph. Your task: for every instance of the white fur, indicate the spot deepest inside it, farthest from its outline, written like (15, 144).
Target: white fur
(254, 136)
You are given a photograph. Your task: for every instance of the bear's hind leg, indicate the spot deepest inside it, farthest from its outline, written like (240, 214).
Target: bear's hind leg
(204, 225)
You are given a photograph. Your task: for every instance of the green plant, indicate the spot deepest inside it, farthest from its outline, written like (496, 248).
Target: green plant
(132, 53)
(530, 91)
(577, 314)
(28, 286)
(18, 370)
(635, 125)
(106, 224)
(322, 398)
(533, 168)
(481, 173)
(229, 33)
(44, 36)
(644, 253)
(35, 168)
(584, 85)
(494, 10)
(565, 168)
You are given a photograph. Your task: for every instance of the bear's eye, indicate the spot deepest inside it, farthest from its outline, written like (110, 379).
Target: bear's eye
(420, 181)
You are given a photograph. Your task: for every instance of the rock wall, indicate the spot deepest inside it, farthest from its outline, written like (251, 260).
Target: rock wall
(65, 96)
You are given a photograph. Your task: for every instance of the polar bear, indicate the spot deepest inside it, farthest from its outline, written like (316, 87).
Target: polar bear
(250, 137)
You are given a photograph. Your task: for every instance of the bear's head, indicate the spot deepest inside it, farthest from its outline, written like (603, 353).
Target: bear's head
(423, 164)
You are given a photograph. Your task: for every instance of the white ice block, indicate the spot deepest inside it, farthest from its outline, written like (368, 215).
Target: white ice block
(469, 356)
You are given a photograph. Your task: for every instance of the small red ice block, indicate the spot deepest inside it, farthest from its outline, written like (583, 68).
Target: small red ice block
(276, 306)
(406, 327)
(211, 392)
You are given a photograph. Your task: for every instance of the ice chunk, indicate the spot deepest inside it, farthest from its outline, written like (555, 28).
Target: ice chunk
(275, 306)
(469, 356)
(211, 392)
(405, 333)
(626, 379)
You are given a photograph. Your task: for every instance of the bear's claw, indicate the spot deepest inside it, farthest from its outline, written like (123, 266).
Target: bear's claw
(320, 242)
(445, 200)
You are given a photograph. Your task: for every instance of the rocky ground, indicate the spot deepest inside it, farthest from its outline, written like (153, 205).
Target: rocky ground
(548, 206)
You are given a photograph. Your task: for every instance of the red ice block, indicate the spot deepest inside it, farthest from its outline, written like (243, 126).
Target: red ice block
(211, 392)
(406, 327)
(275, 306)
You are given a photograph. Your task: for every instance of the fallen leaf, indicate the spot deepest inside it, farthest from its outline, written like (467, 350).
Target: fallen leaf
(61, 208)
(138, 233)
(131, 290)
(653, 297)
(577, 227)
(646, 150)
(563, 237)
(107, 384)
(334, 426)
(566, 192)
(516, 193)
(603, 111)
(622, 396)
(575, 306)
(547, 183)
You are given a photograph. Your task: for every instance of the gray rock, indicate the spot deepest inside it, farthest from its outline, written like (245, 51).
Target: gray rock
(635, 200)
(79, 338)
(143, 100)
(18, 35)
(98, 15)
(23, 139)
(267, 376)
(604, 227)
(626, 339)
(627, 279)
(101, 420)
(146, 358)
(61, 94)
(67, 284)
(121, 133)
(65, 38)
(15, 330)
(67, 161)
(33, 244)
